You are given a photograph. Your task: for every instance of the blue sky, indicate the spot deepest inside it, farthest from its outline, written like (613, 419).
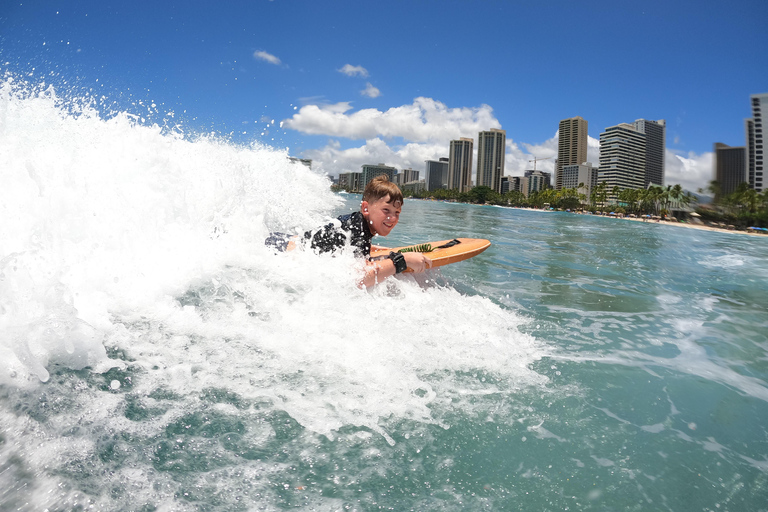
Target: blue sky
(347, 83)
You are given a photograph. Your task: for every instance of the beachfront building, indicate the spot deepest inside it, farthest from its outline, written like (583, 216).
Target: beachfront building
(511, 184)
(655, 147)
(755, 165)
(622, 157)
(460, 164)
(730, 168)
(415, 186)
(580, 174)
(571, 146)
(406, 176)
(490, 158)
(534, 181)
(545, 178)
(371, 171)
(436, 174)
(349, 181)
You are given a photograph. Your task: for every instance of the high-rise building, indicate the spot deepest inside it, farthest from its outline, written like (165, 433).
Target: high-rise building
(410, 175)
(545, 177)
(535, 181)
(491, 152)
(436, 174)
(580, 174)
(460, 164)
(755, 142)
(622, 157)
(371, 171)
(350, 181)
(655, 146)
(510, 184)
(571, 146)
(406, 176)
(730, 168)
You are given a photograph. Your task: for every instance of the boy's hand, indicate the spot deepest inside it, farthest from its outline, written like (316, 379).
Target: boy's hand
(417, 261)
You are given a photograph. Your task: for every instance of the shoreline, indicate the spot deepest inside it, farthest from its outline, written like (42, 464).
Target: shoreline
(701, 227)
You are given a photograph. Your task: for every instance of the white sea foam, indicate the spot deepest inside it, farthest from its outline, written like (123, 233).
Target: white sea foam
(127, 237)
(725, 261)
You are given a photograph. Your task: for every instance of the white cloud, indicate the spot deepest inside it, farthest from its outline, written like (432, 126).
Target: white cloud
(423, 129)
(371, 91)
(425, 120)
(262, 55)
(333, 160)
(593, 151)
(692, 172)
(351, 70)
(516, 159)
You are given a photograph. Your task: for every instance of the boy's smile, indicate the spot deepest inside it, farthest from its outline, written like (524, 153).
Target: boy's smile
(381, 215)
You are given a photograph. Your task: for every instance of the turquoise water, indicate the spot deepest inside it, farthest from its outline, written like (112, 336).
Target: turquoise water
(155, 356)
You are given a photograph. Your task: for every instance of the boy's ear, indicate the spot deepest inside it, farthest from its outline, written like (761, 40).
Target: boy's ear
(364, 208)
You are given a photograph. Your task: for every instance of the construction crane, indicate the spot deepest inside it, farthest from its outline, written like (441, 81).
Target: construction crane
(536, 159)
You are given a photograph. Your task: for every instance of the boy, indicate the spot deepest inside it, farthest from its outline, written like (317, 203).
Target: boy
(378, 215)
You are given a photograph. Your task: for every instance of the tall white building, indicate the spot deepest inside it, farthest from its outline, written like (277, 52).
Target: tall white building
(535, 181)
(622, 157)
(460, 164)
(756, 142)
(571, 146)
(581, 174)
(491, 151)
(406, 176)
(655, 146)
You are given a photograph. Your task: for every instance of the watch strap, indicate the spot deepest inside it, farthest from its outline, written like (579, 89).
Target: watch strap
(399, 260)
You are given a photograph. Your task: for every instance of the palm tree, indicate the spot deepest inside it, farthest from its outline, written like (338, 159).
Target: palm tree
(713, 188)
(615, 193)
(599, 194)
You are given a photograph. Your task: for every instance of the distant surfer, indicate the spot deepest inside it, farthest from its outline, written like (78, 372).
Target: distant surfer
(378, 215)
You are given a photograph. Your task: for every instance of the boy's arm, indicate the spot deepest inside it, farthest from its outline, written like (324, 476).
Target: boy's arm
(377, 271)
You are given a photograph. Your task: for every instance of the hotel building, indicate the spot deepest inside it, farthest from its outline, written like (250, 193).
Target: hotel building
(730, 168)
(437, 174)
(460, 164)
(370, 171)
(755, 142)
(622, 157)
(571, 146)
(580, 174)
(655, 146)
(491, 150)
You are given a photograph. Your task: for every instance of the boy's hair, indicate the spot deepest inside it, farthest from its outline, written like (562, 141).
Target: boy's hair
(379, 187)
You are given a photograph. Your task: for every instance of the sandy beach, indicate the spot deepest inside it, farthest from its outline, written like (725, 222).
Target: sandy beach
(702, 227)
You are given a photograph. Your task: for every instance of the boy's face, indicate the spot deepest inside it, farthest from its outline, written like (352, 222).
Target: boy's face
(381, 215)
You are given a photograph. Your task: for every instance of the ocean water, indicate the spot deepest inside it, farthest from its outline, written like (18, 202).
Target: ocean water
(155, 356)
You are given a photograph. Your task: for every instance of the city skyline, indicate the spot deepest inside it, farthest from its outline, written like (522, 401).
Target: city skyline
(299, 76)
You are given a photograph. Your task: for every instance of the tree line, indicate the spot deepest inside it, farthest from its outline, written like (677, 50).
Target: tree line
(654, 200)
(743, 207)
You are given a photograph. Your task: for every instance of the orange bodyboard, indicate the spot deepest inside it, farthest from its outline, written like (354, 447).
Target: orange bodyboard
(454, 252)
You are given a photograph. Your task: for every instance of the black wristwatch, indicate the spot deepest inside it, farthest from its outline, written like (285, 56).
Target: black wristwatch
(399, 260)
